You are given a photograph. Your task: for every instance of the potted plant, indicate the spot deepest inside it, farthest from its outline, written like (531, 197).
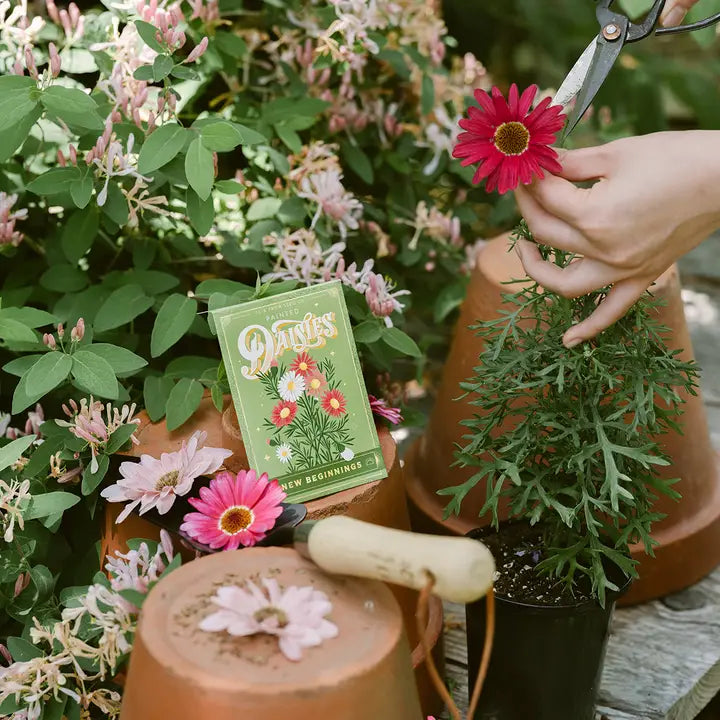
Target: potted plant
(577, 467)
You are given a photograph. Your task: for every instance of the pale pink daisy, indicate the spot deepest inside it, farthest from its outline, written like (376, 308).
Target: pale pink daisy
(155, 483)
(234, 510)
(383, 410)
(297, 615)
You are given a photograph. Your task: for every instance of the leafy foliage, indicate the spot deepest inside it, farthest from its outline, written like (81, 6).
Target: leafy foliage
(570, 437)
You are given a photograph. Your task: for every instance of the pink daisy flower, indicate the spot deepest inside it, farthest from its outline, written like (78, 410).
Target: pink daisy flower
(155, 483)
(283, 413)
(383, 410)
(303, 364)
(316, 383)
(509, 143)
(234, 510)
(297, 615)
(333, 403)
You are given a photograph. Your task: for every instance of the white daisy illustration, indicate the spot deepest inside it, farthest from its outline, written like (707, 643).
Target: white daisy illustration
(347, 454)
(291, 386)
(284, 453)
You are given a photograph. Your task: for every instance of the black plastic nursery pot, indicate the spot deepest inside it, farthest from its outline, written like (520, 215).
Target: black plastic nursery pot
(546, 661)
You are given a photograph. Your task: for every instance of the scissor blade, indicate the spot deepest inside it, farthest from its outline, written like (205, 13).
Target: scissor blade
(604, 57)
(576, 77)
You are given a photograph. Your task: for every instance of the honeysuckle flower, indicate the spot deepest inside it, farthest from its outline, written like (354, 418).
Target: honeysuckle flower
(235, 510)
(291, 386)
(333, 403)
(284, 453)
(510, 143)
(156, 482)
(14, 495)
(17, 30)
(443, 227)
(297, 615)
(8, 217)
(383, 410)
(327, 191)
(382, 298)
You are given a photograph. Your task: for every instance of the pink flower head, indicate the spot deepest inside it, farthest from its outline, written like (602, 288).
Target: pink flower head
(283, 413)
(316, 383)
(383, 410)
(303, 364)
(297, 615)
(235, 510)
(155, 483)
(333, 403)
(509, 143)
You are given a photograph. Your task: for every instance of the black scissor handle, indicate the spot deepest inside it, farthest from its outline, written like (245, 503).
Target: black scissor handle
(700, 25)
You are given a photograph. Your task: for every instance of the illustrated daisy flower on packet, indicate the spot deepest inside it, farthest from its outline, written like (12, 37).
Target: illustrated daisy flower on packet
(296, 615)
(303, 365)
(235, 510)
(510, 143)
(155, 483)
(291, 386)
(333, 403)
(283, 413)
(316, 383)
(284, 453)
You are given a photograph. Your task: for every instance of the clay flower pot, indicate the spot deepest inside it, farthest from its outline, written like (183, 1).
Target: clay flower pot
(179, 671)
(688, 538)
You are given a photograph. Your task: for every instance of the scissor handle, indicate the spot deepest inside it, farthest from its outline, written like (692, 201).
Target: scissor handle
(638, 31)
(699, 25)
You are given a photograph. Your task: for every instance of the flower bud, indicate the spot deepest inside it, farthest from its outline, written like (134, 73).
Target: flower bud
(198, 50)
(61, 331)
(52, 11)
(30, 63)
(61, 158)
(54, 60)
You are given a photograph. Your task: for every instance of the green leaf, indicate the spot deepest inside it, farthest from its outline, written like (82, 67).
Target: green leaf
(357, 161)
(156, 392)
(200, 212)
(90, 480)
(12, 138)
(54, 708)
(21, 650)
(49, 371)
(161, 147)
(199, 168)
(79, 233)
(190, 366)
(281, 108)
(184, 73)
(230, 44)
(14, 331)
(121, 307)
(248, 136)
(116, 207)
(17, 99)
(634, 8)
(144, 72)
(220, 136)
(401, 342)
(23, 396)
(217, 397)
(13, 451)
(172, 322)
(64, 279)
(81, 191)
(427, 95)
(229, 187)
(19, 366)
(73, 106)
(148, 32)
(53, 503)
(264, 208)
(120, 438)
(30, 316)
(54, 181)
(367, 332)
(162, 66)
(450, 297)
(184, 400)
(95, 374)
(123, 361)
(291, 139)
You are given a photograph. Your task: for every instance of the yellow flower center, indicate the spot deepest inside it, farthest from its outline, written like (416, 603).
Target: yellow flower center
(268, 612)
(314, 383)
(284, 412)
(334, 403)
(167, 480)
(291, 385)
(512, 138)
(235, 519)
(303, 366)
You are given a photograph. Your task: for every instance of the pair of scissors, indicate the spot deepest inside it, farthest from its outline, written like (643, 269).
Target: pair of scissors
(594, 65)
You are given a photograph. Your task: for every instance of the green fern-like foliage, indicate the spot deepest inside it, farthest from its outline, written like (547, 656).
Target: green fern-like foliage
(570, 437)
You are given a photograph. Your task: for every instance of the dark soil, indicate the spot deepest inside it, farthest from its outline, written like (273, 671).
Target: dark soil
(518, 549)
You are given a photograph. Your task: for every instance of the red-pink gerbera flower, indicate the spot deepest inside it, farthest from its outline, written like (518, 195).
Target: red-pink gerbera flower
(315, 383)
(234, 510)
(303, 364)
(333, 403)
(383, 410)
(509, 143)
(283, 413)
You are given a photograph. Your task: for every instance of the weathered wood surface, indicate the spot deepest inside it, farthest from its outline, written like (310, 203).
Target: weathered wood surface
(663, 660)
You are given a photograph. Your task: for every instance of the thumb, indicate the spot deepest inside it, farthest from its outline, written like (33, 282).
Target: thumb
(583, 164)
(675, 11)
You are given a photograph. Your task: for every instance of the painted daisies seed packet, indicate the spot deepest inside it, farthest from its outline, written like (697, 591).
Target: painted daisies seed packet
(299, 392)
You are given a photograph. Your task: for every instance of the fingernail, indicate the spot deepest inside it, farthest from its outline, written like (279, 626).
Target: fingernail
(570, 343)
(674, 17)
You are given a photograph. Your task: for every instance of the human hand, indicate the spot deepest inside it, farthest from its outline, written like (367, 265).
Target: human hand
(675, 10)
(658, 196)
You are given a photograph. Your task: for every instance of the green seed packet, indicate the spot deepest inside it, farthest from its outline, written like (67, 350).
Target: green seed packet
(299, 393)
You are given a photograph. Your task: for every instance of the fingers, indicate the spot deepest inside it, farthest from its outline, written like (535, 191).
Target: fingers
(579, 278)
(548, 229)
(618, 301)
(584, 164)
(675, 11)
(560, 198)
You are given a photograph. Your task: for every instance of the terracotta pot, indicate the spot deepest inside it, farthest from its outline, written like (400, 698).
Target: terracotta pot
(688, 538)
(382, 503)
(179, 671)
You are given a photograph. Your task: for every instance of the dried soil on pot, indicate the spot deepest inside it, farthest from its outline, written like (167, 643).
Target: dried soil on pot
(518, 549)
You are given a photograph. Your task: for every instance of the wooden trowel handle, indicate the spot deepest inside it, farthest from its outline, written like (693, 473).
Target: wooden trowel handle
(463, 568)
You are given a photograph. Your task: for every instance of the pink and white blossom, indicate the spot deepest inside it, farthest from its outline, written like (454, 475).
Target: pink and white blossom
(333, 200)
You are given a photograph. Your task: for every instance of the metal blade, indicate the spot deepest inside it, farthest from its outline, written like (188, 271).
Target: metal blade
(606, 53)
(576, 77)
